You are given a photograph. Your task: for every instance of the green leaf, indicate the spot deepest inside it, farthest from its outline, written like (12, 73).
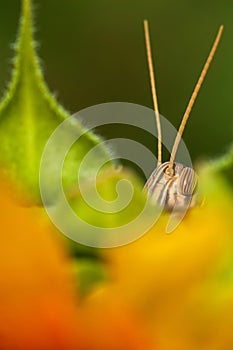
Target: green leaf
(88, 274)
(29, 113)
(222, 166)
(111, 210)
(116, 206)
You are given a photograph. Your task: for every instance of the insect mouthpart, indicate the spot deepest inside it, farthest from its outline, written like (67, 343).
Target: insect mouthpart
(172, 192)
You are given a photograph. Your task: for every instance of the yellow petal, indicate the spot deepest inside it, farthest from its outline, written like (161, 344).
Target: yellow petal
(181, 285)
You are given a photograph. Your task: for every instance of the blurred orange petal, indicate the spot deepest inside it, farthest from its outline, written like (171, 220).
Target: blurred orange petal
(37, 303)
(181, 285)
(112, 324)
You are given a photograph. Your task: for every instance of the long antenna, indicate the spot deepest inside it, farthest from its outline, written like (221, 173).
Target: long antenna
(193, 98)
(153, 89)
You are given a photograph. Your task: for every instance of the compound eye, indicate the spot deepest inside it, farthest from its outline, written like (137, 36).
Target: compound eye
(187, 181)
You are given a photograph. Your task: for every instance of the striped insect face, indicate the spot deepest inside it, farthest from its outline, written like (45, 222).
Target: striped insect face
(172, 190)
(172, 185)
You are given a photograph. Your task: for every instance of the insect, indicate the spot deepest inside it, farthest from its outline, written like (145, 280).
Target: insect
(173, 185)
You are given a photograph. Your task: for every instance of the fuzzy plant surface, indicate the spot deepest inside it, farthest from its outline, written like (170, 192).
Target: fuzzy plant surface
(29, 114)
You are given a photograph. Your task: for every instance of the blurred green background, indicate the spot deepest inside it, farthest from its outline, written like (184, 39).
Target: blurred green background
(93, 51)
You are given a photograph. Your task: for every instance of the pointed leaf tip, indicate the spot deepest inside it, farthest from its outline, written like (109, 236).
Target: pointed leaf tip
(29, 114)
